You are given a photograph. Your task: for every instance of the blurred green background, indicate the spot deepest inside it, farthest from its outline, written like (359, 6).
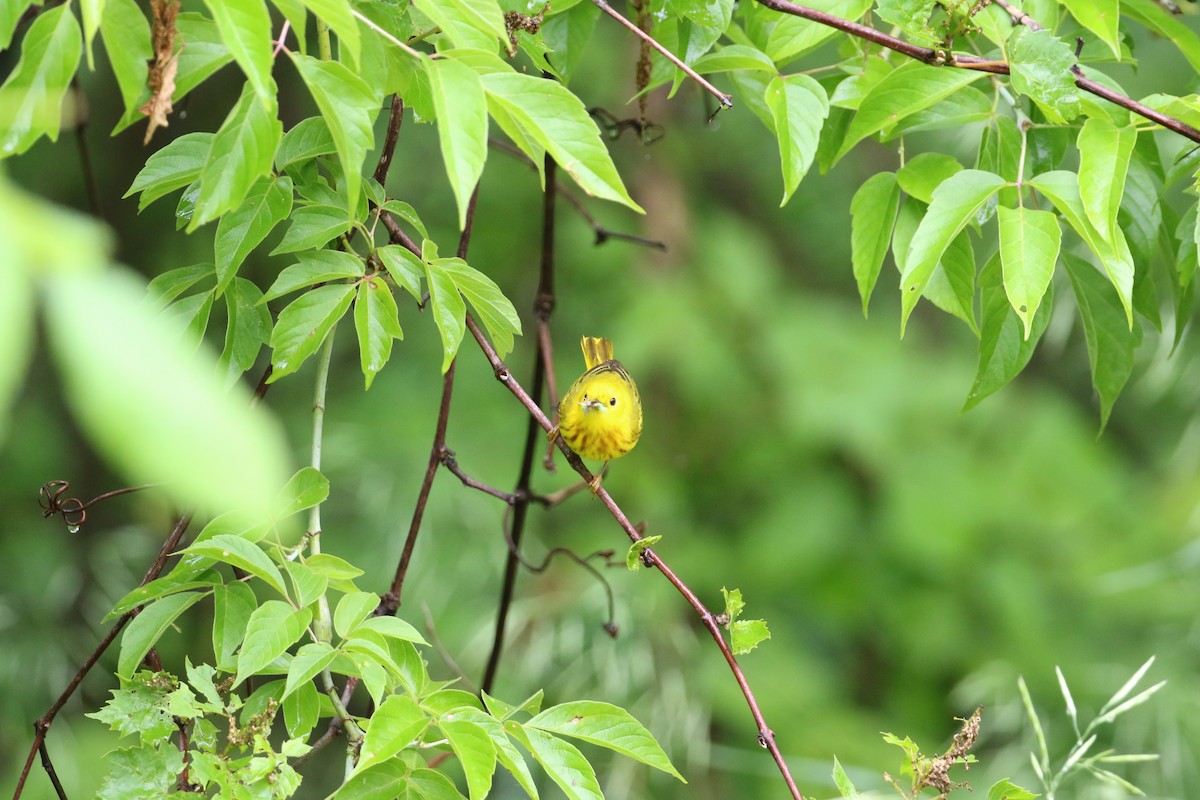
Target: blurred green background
(911, 560)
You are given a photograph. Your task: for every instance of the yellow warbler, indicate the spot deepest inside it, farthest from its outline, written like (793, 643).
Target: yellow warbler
(600, 416)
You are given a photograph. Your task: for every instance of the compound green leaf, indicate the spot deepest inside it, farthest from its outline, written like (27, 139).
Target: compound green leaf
(245, 27)
(377, 323)
(308, 662)
(462, 123)
(268, 203)
(126, 34)
(316, 266)
(1104, 153)
(1101, 17)
(352, 609)
(494, 309)
(303, 326)
(307, 488)
(475, 752)
(204, 52)
(243, 151)
(792, 37)
(799, 106)
(273, 628)
(146, 628)
(307, 139)
(395, 724)
(32, 96)
(233, 604)
(247, 329)
(954, 205)
(173, 167)
(313, 227)
(605, 725)
(911, 16)
(562, 761)
(1041, 66)
(1154, 16)
(923, 173)
(548, 113)
(453, 16)
(1029, 244)
(349, 106)
(404, 266)
(872, 217)
(1110, 342)
(908, 89)
(1004, 349)
(246, 556)
(449, 309)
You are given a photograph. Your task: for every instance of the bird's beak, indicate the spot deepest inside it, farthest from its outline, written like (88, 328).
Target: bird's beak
(592, 405)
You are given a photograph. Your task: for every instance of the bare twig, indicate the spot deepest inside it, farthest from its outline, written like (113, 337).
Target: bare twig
(42, 726)
(939, 57)
(395, 118)
(725, 100)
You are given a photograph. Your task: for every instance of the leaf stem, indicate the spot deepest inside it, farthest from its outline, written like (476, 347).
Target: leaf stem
(314, 515)
(324, 48)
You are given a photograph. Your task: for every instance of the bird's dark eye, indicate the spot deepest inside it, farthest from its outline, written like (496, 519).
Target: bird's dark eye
(612, 401)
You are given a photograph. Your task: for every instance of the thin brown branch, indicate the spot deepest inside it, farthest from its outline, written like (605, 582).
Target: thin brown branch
(389, 143)
(391, 600)
(725, 100)
(938, 57)
(1018, 16)
(42, 726)
(85, 158)
(451, 463)
(765, 736)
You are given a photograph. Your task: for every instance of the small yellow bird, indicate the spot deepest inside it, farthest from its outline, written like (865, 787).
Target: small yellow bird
(600, 416)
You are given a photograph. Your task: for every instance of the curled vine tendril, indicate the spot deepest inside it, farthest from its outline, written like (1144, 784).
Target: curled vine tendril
(72, 509)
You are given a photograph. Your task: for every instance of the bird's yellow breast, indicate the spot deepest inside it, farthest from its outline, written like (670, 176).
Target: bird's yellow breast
(600, 416)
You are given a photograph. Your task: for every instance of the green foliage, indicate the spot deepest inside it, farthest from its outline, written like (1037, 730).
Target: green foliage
(744, 634)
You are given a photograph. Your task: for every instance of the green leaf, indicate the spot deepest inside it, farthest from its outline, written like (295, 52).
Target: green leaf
(965, 106)
(317, 266)
(799, 106)
(567, 35)
(16, 334)
(951, 287)
(1110, 342)
(336, 569)
(392, 628)
(872, 217)
(842, 781)
(906, 90)
(475, 752)
(633, 557)
(1029, 245)
(409, 214)
(954, 204)
(204, 52)
(268, 203)
(792, 36)
(493, 308)
(1101, 17)
(352, 609)
(377, 323)
(245, 27)
(405, 267)
(173, 167)
(307, 139)
(303, 326)
(148, 626)
(1004, 350)
(161, 587)
(301, 712)
(1062, 189)
(1104, 153)
(244, 555)
(307, 583)
(313, 227)
(307, 488)
(273, 628)
(734, 604)
(462, 123)
(308, 662)
(449, 309)
(158, 412)
(232, 606)
(126, 34)
(746, 634)
(248, 328)
(1154, 16)
(557, 121)
(1041, 65)
(164, 288)
(340, 17)
(925, 172)
(31, 98)
(605, 725)
(349, 106)
(456, 16)
(11, 12)
(242, 151)
(395, 724)
(911, 16)
(386, 780)
(1007, 790)
(561, 760)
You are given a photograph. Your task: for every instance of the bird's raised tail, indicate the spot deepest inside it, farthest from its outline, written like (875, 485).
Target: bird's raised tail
(596, 351)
